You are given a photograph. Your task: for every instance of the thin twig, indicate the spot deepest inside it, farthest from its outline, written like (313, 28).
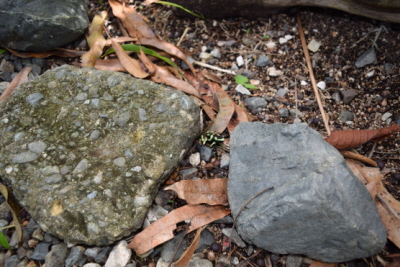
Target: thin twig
(310, 70)
(177, 247)
(182, 36)
(213, 67)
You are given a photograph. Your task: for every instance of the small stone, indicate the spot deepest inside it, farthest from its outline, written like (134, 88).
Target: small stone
(120, 162)
(346, 115)
(205, 56)
(205, 153)
(11, 261)
(233, 235)
(122, 119)
(281, 92)
(162, 197)
(95, 135)
(256, 103)
(81, 167)
(92, 265)
(216, 53)
(38, 234)
(142, 114)
(271, 46)
(304, 83)
(273, 72)
(284, 112)
(33, 99)
(119, 256)
(368, 57)
(321, 85)
(263, 61)
(282, 40)
(243, 90)
(348, 96)
(194, 159)
(294, 261)
(103, 255)
(168, 249)
(336, 97)
(187, 174)
(386, 116)
(247, 41)
(37, 147)
(24, 157)
(56, 256)
(314, 45)
(240, 61)
(91, 253)
(40, 251)
(249, 74)
(293, 113)
(224, 160)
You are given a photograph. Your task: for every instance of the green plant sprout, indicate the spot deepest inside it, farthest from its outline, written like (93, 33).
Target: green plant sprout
(266, 36)
(240, 79)
(3, 238)
(181, 7)
(2, 50)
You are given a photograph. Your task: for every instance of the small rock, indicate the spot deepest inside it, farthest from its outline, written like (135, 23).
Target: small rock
(91, 253)
(249, 74)
(368, 57)
(216, 53)
(187, 174)
(321, 85)
(346, 115)
(271, 46)
(162, 197)
(233, 235)
(194, 159)
(206, 239)
(11, 261)
(284, 112)
(37, 147)
(56, 256)
(263, 61)
(293, 113)
(205, 153)
(34, 98)
(314, 45)
(348, 96)
(40, 251)
(168, 249)
(198, 262)
(103, 255)
(386, 116)
(155, 213)
(92, 265)
(282, 40)
(243, 90)
(294, 261)
(205, 56)
(95, 135)
(281, 92)
(336, 97)
(120, 255)
(240, 61)
(256, 103)
(38, 234)
(247, 41)
(74, 256)
(273, 72)
(224, 160)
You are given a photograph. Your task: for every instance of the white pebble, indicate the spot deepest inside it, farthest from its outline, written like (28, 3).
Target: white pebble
(370, 74)
(282, 40)
(203, 48)
(386, 116)
(119, 256)
(240, 61)
(321, 85)
(303, 82)
(271, 46)
(194, 159)
(243, 90)
(288, 37)
(314, 45)
(273, 72)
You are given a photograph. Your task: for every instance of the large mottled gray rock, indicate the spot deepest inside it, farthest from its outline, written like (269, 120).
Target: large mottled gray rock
(317, 207)
(38, 25)
(87, 157)
(387, 10)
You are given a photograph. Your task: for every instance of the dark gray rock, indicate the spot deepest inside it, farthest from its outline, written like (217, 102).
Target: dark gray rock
(206, 239)
(38, 25)
(187, 174)
(56, 256)
(368, 57)
(348, 96)
(263, 61)
(101, 258)
(255, 103)
(281, 92)
(168, 249)
(40, 251)
(346, 115)
(11, 261)
(206, 153)
(317, 207)
(106, 194)
(74, 256)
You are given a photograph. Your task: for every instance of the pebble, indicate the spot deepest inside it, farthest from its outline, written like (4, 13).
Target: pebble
(284, 112)
(243, 90)
(33, 99)
(187, 174)
(234, 236)
(386, 116)
(103, 255)
(249, 74)
(194, 159)
(24, 157)
(92, 265)
(336, 96)
(40, 251)
(346, 115)
(74, 256)
(348, 96)
(293, 113)
(271, 46)
(281, 92)
(263, 61)
(313, 45)
(368, 57)
(225, 159)
(205, 153)
(321, 85)
(273, 72)
(205, 56)
(37, 147)
(256, 103)
(56, 256)
(240, 61)
(216, 53)
(120, 255)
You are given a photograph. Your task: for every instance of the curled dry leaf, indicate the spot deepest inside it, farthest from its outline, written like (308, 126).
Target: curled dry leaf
(95, 40)
(109, 64)
(206, 191)
(352, 138)
(19, 79)
(226, 109)
(131, 20)
(130, 64)
(187, 255)
(162, 230)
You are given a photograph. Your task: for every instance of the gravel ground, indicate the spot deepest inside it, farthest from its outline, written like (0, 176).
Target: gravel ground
(370, 95)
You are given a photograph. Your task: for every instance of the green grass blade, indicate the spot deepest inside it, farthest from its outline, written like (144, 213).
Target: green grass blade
(181, 7)
(147, 51)
(3, 241)
(2, 50)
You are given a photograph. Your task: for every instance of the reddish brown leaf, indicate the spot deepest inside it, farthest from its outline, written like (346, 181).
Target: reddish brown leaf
(130, 64)
(226, 109)
(95, 40)
(352, 138)
(359, 157)
(316, 263)
(187, 255)
(204, 191)
(60, 52)
(131, 20)
(109, 64)
(162, 230)
(19, 79)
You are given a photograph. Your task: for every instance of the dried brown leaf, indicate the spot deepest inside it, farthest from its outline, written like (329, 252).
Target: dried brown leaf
(109, 64)
(121, 39)
(316, 263)
(15, 209)
(352, 138)
(162, 230)
(96, 40)
(19, 79)
(187, 255)
(131, 20)
(396, 260)
(130, 64)
(206, 191)
(226, 109)
(359, 157)
(60, 52)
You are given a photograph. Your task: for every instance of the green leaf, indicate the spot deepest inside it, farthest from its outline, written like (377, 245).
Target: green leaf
(181, 7)
(2, 50)
(250, 86)
(147, 51)
(240, 79)
(3, 241)
(266, 37)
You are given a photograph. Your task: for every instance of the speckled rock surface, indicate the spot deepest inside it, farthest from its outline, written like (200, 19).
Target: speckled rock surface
(85, 150)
